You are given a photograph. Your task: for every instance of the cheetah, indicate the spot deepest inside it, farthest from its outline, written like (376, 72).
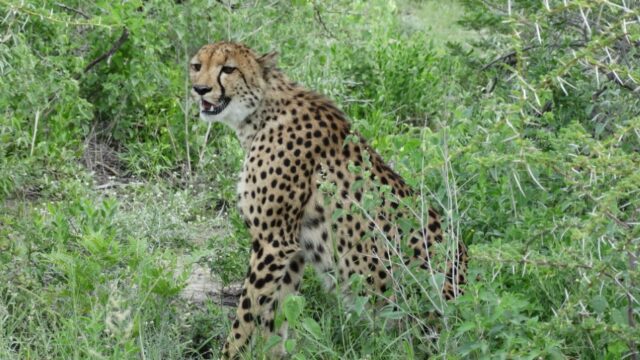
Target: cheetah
(299, 193)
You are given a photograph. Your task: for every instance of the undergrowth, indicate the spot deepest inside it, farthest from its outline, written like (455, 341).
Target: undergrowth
(520, 123)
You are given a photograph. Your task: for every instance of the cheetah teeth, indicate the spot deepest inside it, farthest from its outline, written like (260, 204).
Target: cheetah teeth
(214, 109)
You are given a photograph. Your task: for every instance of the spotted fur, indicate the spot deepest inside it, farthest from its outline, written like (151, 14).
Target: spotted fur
(295, 140)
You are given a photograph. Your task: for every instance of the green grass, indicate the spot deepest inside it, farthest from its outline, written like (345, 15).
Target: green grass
(438, 20)
(110, 199)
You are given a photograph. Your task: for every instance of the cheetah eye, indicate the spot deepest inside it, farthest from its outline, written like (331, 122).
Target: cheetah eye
(228, 69)
(196, 67)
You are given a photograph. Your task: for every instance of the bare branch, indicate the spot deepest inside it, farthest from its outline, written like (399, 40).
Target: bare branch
(228, 5)
(612, 77)
(108, 54)
(318, 17)
(84, 15)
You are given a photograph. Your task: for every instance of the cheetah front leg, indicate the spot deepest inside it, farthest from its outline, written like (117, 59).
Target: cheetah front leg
(274, 273)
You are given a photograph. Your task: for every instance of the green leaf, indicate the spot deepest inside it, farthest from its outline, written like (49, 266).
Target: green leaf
(290, 345)
(619, 316)
(392, 314)
(359, 304)
(292, 308)
(408, 348)
(271, 342)
(599, 304)
(617, 349)
(312, 327)
(465, 327)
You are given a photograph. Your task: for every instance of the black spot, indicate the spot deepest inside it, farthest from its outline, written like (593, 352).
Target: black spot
(287, 278)
(294, 266)
(268, 259)
(263, 299)
(246, 303)
(311, 222)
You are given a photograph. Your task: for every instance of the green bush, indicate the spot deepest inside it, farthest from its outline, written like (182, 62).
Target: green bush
(525, 135)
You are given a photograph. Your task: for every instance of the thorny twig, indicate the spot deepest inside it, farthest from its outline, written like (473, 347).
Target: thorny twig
(633, 262)
(558, 265)
(508, 56)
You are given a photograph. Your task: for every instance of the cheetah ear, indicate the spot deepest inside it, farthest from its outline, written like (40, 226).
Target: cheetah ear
(269, 60)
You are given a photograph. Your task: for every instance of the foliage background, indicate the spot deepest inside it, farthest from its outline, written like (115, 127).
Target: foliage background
(519, 119)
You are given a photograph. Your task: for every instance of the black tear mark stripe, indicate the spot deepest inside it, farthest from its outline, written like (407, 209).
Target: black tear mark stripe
(222, 91)
(243, 78)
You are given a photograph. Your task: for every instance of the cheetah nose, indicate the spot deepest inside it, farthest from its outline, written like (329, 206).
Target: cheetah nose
(201, 90)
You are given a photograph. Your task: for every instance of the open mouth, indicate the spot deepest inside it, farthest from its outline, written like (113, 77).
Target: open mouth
(214, 109)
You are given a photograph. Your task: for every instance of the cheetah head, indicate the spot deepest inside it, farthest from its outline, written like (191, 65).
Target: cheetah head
(228, 81)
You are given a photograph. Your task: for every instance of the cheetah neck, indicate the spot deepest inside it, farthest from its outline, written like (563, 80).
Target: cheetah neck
(278, 89)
